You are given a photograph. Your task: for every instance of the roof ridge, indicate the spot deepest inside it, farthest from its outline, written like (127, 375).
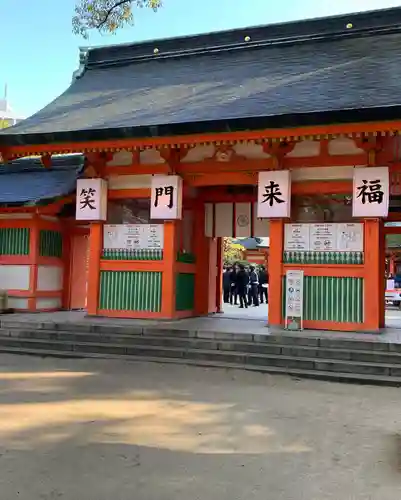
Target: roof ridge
(324, 28)
(248, 45)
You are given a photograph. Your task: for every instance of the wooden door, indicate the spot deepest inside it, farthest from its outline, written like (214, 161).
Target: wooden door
(79, 271)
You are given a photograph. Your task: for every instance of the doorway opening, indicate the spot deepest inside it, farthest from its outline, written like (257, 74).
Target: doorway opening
(245, 272)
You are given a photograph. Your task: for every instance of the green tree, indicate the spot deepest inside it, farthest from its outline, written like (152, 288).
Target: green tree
(232, 251)
(107, 16)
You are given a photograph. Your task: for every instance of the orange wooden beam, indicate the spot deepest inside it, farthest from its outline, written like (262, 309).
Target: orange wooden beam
(293, 133)
(118, 194)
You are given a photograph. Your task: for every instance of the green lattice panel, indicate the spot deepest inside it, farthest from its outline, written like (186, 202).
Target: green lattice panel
(50, 243)
(125, 254)
(295, 257)
(14, 241)
(130, 291)
(331, 299)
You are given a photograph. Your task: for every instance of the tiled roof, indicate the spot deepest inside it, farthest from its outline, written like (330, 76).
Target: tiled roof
(337, 69)
(26, 181)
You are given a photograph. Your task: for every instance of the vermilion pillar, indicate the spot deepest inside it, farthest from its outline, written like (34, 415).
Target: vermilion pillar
(171, 244)
(34, 258)
(274, 269)
(95, 253)
(202, 252)
(374, 282)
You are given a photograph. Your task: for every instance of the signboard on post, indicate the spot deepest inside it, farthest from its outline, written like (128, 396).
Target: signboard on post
(370, 192)
(274, 194)
(91, 203)
(294, 300)
(166, 197)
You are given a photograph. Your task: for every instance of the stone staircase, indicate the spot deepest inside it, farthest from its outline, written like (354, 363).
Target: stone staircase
(358, 361)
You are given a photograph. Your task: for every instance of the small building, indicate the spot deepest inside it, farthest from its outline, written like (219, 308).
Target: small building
(8, 117)
(39, 238)
(256, 250)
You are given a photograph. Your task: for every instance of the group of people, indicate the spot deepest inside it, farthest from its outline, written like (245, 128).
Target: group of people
(247, 284)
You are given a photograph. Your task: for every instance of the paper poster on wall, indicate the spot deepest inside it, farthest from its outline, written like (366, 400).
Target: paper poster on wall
(350, 237)
(133, 236)
(323, 237)
(296, 237)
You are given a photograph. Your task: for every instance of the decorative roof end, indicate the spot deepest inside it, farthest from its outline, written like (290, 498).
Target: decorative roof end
(83, 58)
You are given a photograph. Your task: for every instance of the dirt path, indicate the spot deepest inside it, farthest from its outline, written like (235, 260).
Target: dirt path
(107, 430)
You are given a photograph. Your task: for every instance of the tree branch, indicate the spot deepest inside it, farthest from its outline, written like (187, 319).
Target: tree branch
(110, 11)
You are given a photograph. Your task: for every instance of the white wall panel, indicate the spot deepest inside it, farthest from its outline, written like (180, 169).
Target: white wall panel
(261, 227)
(48, 303)
(50, 278)
(224, 219)
(14, 277)
(209, 219)
(17, 303)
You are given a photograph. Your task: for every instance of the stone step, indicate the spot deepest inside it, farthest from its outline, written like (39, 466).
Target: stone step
(299, 373)
(219, 356)
(256, 347)
(300, 339)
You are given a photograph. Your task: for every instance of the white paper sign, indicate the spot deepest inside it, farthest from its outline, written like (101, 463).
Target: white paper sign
(370, 192)
(133, 236)
(166, 197)
(294, 299)
(91, 199)
(323, 237)
(296, 237)
(350, 237)
(274, 194)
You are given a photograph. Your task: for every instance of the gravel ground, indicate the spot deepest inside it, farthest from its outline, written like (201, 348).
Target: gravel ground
(110, 430)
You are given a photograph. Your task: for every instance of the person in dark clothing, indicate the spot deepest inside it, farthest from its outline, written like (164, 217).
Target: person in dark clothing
(242, 280)
(226, 285)
(263, 281)
(233, 286)
(253, 293)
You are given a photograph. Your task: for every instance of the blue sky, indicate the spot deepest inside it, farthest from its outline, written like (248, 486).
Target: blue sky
(38, 52)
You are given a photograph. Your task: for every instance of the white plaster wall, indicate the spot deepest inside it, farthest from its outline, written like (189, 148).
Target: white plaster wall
(14, 277)
(304, 149)
(50, 278)
(129, 181)
(48, 303)
(151, 156)
(322, 173)
(17, 303)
